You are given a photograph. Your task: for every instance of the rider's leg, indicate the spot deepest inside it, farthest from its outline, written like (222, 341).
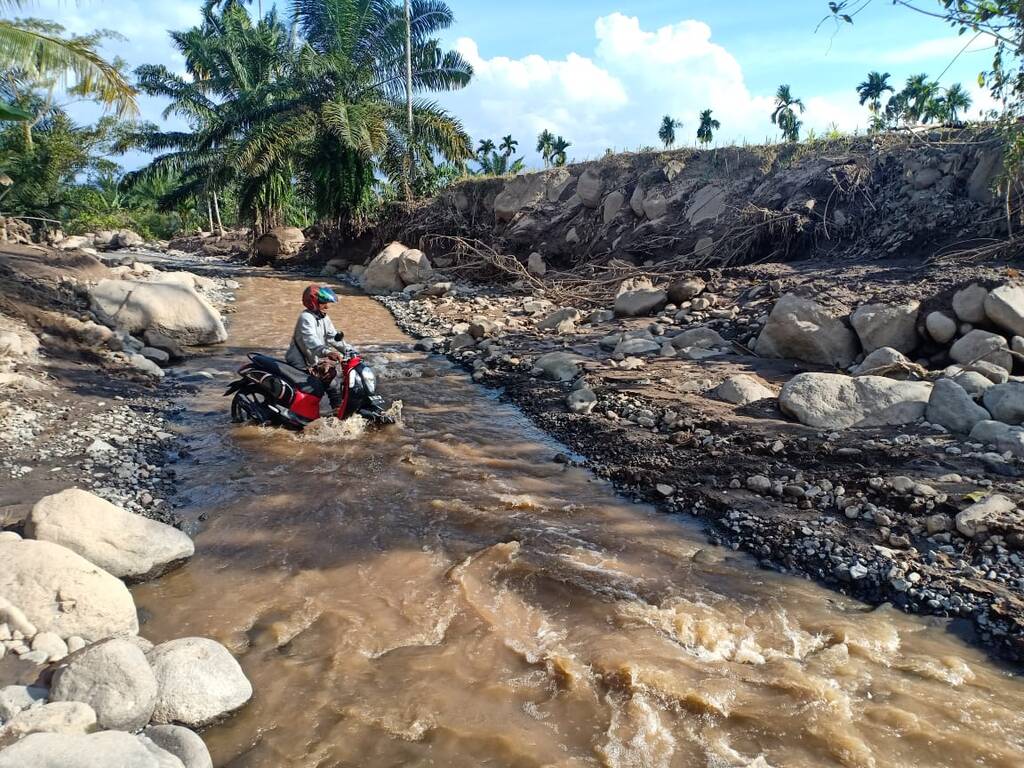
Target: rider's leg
(334, 394)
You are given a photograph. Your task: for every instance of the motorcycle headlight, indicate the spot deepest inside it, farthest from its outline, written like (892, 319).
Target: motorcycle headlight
(370, 379)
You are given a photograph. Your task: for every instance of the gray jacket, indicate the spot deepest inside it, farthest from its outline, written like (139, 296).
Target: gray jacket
(312, 339)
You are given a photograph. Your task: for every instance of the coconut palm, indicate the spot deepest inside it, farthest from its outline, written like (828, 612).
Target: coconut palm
(499, 164)
(667, 131)
(558, 150)
(784, 115)
(544, 141)
(956, 100)
(872, 90)
(508, 145)
(708, 125)
(485, 147)
(918, 95)
(29, 47)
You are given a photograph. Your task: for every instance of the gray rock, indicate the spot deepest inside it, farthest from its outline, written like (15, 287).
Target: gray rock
(600, 316)
(887, 325)
(973, 382)
(685, 290)
(184, 744)
(982, 346)
(114, 678)
(50, 645)
(742, 389)
(590, 188)
(559, 366)
(1006, 402)
(557, 318)
(16, 698)
(969, 304)
(951, 406)
(637, 347)
(833, 401)
(655, 206)
(1004, 306)
(804, 330)
(702, 336)
(640, 302)
(122, 543)
(381, 274)
(59, 717)
(612, 205)
(636, 201)
(1003, 436)
(707, 204)
(536, 265)
(199, 682)
(886, 361)
(581, 401)
(155, 355)
(941, 327)
(109, 749)
(996, 374)
(984, 514)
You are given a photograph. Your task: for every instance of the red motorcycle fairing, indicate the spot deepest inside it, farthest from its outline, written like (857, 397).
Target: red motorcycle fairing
(306, 406)
(349, 366)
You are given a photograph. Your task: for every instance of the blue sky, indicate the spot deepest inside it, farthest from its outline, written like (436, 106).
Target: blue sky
(603, 72)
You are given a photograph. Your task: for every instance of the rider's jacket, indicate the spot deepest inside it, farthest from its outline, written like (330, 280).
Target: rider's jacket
(312, 339)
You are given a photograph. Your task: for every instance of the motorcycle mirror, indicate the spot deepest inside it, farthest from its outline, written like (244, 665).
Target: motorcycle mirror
(339, 336)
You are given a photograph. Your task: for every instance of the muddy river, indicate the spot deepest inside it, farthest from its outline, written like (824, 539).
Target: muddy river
(445, 593)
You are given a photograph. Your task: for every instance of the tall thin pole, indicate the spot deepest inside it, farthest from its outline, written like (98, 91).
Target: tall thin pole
(408, 94)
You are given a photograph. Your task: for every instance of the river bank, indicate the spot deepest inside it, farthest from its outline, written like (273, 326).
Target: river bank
(870, 512)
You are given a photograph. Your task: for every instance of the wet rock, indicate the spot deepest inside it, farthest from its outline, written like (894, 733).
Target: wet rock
(1003, 436)
(122, 543)
(62, 592)
(184, 744)
(951, 406)
(833, 401)
(536, 265)
(581, 401)
(982, 346)
(173, 310)
(60, 717)
(941, 327)
(559, 366)
(199, 682)
(165, 343)
(155, 355)
(280, 244)
(982, 515)
(109, 749)
(556, 319)
(887, 325)
(381, 274)
(684, 290)
(639, 303)
(969, 304)
(144, 365)
(1006, 402)
(743, 389)
(804, 330)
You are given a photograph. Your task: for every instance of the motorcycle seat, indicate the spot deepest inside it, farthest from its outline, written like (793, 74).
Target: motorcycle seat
(301, 380)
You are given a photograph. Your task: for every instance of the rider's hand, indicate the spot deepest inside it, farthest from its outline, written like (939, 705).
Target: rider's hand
(335, 356)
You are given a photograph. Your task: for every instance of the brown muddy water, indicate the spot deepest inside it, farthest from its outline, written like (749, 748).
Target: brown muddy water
(445, 594)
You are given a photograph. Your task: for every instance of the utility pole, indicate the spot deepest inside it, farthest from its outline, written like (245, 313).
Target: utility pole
(408, 96)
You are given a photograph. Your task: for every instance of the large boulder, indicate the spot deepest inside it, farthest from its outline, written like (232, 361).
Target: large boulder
(982, 346)
(590, 188)
(1005, 402)
(1004, 306)
(122, 543)
(834, 401)
(415, 268)
(969, 304)
(114, 678)
(685, 290)
(381, 274)
(559, 366)
(640, 302)
(184, 744)
(742, 389)
(280, 244)
(199, 682)
(995, 511)
(61, 592)
(109, 749)
(126, 238)
(887, 325)
(172, 309)
(1003, 436)
(951, 407)
(522, 191)
(804, 330)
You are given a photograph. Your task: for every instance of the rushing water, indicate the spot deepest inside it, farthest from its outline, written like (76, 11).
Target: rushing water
(445, 594)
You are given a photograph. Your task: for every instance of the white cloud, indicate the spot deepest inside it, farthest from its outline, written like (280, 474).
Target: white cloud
(941, 48)
(618, 97)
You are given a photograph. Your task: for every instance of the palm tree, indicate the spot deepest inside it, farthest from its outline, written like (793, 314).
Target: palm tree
(872, 90)
(667, 131)
(485, 147)
(708, 125)
(544, 141)
(784, 115)
(918, 95)
(499, 164)
(558, 148)
(28, 47)
(956, 100)
(508, 145)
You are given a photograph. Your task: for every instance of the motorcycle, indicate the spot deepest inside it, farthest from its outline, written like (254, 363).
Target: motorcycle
(271, 392)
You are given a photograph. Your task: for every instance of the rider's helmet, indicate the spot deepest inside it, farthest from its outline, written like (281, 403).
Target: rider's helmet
(316, 296)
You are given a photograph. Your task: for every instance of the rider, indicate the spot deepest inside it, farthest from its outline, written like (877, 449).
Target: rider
(315, 339)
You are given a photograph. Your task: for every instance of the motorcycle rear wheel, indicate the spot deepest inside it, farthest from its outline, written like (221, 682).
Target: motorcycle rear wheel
(250, 406)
